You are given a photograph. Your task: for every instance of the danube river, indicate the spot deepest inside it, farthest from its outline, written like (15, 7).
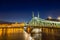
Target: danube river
(14, 34)
(20, 34)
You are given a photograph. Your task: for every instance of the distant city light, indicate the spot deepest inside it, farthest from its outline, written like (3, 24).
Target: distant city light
(58, 18)
(49, 17)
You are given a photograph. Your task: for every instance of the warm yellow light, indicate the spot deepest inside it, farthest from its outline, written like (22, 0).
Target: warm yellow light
(10, 31)
(22, 24)
(21, 29)
(28, 29)
(0, 32)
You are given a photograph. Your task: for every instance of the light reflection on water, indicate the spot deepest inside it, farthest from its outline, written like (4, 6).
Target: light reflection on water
(12, 34)
(18, 34)
(0, 32)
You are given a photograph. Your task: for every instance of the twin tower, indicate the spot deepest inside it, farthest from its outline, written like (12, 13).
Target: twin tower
(34, 16)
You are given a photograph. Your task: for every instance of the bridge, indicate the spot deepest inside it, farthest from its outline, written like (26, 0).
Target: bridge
(43, 24)
(47, 28)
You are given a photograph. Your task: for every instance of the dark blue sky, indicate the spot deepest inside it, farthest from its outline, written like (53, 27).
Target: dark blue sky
(21, 10)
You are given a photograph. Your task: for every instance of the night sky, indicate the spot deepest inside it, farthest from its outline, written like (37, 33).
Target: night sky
(21, 10)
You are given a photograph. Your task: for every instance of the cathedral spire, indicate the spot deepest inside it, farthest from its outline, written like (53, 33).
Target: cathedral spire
(38, 14)
(33, 14)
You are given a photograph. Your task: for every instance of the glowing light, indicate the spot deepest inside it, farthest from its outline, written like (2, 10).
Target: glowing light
(36, 18)
(22, 24)
(0, 32)
(49, 17)
(28, 29)
(58, 18)
(21, 29)
(36, 30)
